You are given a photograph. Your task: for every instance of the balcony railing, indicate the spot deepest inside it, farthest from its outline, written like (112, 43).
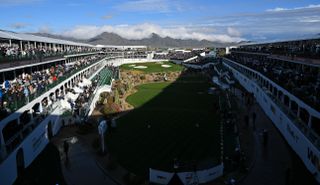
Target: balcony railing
(20, 60)
(37, 118)
(308, 132)
(18, 100)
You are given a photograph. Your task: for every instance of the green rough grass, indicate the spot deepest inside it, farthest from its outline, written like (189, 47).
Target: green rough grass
(172, 110)
(153, 67)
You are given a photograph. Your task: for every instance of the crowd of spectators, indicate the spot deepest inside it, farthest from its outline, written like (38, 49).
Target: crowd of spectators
(17, 92)
(201, 61)
(81, 105)
(13, 52)
(178, 55)
(303, 81)
(302, 48)
(135, 54)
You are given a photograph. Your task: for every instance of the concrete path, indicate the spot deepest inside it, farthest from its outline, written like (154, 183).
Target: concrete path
(81, 168)
(272, 161)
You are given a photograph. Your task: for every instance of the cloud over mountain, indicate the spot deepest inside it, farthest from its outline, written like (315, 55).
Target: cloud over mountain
(141, 31)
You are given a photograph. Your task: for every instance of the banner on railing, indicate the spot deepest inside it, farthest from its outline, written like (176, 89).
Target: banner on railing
(160, 177)
(201, 176)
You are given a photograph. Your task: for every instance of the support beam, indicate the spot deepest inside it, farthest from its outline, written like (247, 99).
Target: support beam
(310, 121)
(21, 48)
(3, 150)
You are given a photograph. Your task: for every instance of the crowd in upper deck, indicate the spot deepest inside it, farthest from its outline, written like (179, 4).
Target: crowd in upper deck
(302, 48)
(27, 85)
(301, 80)
(12, 52)
(178, 55)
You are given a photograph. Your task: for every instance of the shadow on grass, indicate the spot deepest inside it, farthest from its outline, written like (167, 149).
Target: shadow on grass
(178, 120)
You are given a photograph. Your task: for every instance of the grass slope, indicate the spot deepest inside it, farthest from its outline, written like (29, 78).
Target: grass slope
(172, 110)
(153, 67)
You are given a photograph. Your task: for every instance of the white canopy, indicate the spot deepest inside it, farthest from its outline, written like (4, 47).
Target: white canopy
(72, 96)
(86, 82)
(81, 84)
(65, 104)
(78, 90)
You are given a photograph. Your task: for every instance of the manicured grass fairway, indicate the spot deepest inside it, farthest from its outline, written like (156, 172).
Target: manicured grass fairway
(172, 110)
(153, 67)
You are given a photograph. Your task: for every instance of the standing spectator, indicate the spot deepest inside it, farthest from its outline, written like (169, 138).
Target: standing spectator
(66, 149)
(246, 121)
(254, 120)
(288, 176)
(265, 137)
(26, 94)
(1, 95)
(7, 85)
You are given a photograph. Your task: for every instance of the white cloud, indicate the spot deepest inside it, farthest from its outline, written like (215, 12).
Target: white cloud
(233, 32)
(279, 9)
(310, 19)
(291, 24)
(145, 30)
(45, 29)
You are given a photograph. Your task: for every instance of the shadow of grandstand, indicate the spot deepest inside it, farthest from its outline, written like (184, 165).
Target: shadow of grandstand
(172, 121)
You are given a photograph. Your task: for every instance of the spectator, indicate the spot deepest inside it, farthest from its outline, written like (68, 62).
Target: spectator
(66, 149)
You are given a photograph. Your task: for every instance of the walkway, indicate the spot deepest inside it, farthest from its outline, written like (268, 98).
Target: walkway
(271, 162)
(82, 168)
(269, 167)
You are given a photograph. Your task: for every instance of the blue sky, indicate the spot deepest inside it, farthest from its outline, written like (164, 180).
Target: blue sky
(215, 20)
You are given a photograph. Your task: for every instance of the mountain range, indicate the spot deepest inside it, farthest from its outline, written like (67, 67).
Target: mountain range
(154, 40)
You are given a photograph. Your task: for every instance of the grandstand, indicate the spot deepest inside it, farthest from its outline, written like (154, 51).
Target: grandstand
(41, 79)
(104, 77)
(179, 96)
(284, 78)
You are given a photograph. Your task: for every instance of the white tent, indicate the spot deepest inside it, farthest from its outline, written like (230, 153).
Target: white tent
(81, 84)
(72, 96)
(86, 82)
(65, 104)
(78, 90)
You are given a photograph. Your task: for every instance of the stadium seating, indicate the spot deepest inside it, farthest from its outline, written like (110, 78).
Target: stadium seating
(26, 87)
(302, 80)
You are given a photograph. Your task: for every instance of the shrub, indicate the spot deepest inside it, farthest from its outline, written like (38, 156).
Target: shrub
(142, 77)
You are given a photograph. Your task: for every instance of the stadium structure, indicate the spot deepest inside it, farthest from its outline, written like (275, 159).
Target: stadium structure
(43, 77)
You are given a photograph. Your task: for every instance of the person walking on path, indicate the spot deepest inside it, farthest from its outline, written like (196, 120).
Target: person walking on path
(265, 137)
(66, 149)
(246, 121)
(254, 116)
(288, 177)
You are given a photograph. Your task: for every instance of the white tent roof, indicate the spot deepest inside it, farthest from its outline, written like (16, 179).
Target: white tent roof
(65, 104)
(86, 81)
(72, 96)
(78, 90)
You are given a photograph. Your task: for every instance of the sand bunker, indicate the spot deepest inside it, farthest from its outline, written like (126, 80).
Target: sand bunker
(140, 67)
(165, 66)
